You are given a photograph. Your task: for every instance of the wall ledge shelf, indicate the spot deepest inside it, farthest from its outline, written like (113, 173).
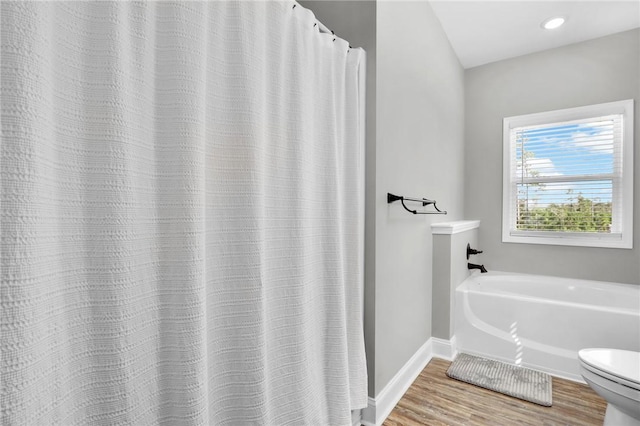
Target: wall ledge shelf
(448, 228)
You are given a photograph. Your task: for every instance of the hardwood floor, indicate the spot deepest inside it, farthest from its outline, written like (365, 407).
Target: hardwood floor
(434, 399)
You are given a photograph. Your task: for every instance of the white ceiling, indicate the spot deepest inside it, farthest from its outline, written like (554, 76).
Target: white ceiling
(488, 31)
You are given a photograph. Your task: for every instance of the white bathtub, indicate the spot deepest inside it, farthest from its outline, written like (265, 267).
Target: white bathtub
(541, 322)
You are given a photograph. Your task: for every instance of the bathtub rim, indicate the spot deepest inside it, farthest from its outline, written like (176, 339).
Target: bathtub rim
(466, 287)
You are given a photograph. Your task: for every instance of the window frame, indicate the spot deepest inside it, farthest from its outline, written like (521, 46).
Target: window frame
(622, 211)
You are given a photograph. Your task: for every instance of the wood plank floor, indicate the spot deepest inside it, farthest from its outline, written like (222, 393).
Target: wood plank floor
(434, 399)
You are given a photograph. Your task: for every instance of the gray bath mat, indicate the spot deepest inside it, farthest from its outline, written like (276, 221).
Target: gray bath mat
(519, 382)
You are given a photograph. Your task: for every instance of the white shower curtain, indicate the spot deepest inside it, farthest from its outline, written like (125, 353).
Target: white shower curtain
(182, 215)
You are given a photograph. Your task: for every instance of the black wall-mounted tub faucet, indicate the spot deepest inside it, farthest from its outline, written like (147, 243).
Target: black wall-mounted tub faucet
(474, 266)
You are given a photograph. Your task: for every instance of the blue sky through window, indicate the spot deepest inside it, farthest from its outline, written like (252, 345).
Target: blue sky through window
(556, 151)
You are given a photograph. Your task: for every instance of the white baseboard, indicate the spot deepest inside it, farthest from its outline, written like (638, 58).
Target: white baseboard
(445, 349)
(369, 414)
(381, 406)
(356, 417)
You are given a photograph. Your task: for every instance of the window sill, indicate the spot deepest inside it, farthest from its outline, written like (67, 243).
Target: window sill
(569, 239)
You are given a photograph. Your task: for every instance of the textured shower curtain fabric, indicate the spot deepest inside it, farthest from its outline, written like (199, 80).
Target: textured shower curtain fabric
(182, 215)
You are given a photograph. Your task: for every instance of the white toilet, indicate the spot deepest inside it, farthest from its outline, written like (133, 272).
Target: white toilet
(614, 374)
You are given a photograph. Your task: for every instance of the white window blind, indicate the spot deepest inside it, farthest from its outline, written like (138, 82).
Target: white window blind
(568, 176)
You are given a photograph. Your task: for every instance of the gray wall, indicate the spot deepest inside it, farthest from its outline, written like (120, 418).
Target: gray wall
(596, 71)
(355, 21)
(420, 153)
(449, 270)
(441, 312)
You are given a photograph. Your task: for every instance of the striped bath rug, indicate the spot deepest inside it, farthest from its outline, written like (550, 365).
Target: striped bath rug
(529, 385)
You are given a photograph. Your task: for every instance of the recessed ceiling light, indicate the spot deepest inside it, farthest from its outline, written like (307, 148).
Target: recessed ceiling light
(552, 23)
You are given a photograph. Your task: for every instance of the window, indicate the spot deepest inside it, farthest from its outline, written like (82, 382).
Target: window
(568, 177)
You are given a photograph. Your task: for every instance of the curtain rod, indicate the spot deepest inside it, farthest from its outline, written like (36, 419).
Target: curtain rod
(323, 28)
